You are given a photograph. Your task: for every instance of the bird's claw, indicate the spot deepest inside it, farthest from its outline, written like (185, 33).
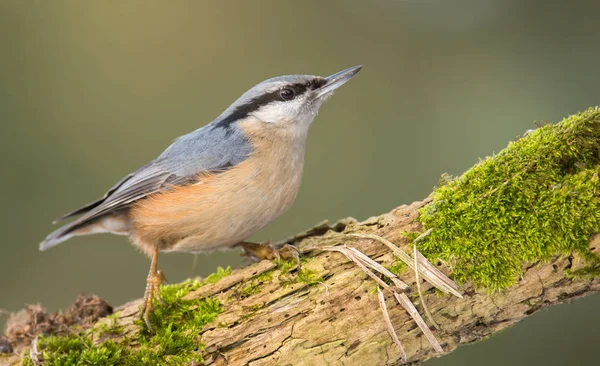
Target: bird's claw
(269, 252)
(153, 282)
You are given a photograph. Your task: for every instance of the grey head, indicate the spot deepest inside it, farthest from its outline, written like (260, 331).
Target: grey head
(291, 99)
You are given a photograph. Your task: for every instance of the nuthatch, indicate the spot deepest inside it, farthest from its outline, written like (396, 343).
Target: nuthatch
(214, 187)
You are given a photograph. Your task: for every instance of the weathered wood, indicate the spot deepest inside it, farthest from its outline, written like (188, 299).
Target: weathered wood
(340, 321)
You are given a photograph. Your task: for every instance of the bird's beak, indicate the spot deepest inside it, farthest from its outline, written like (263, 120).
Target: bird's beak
(336, 80)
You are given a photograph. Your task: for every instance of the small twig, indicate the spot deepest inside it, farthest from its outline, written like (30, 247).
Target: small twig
(430, 267)
(390, 326)
(34, 353)
(324, 285)
(424, 234)
(451, 285)
(414, 313)
(379, 268)
(427, 270)
(418, 280)
(436, 272)
(352, 258)
(398, 252)
(364, 262)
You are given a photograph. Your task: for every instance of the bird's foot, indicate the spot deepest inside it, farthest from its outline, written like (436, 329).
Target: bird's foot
(153, 282)
(268, 251)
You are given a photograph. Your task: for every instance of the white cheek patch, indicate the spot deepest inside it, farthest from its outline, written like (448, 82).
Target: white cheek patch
(276, 112)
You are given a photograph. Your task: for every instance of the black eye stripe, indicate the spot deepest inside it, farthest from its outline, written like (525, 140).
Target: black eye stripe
(300, 89)
(317, 83)
(244, 110)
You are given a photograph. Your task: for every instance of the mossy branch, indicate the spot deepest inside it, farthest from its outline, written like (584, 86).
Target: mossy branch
(518, 231)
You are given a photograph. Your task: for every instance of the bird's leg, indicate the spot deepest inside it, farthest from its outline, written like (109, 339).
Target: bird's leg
(269, 252)
(159, 280)
(153, 281)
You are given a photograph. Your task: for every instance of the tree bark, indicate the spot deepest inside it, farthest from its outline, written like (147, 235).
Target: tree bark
(339, 322)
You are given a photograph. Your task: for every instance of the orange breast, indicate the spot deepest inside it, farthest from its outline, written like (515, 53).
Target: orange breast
(225, 208)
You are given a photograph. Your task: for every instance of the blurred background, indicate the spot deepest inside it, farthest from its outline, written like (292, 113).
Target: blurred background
(89, 91)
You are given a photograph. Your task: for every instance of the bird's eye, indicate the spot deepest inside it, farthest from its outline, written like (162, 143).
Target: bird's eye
(287, 94)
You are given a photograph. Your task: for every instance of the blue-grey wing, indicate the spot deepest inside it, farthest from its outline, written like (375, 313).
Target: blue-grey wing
(207, 149)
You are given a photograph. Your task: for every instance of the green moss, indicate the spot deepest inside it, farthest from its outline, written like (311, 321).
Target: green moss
(309, 276)
(410, 235)
(537, 198)
(177, 339)
(250, 289)
(254, 284)
(25, 360)
(77, 350)
(286, 277)
(396, 267)
(265, 277)
(287, 265)
(110, 329)
(304, 275)
(220, 273)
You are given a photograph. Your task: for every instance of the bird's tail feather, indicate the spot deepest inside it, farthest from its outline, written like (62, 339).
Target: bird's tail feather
(118, 225)
(59, 235)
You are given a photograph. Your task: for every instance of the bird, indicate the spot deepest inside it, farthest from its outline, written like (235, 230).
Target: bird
(216, 186)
